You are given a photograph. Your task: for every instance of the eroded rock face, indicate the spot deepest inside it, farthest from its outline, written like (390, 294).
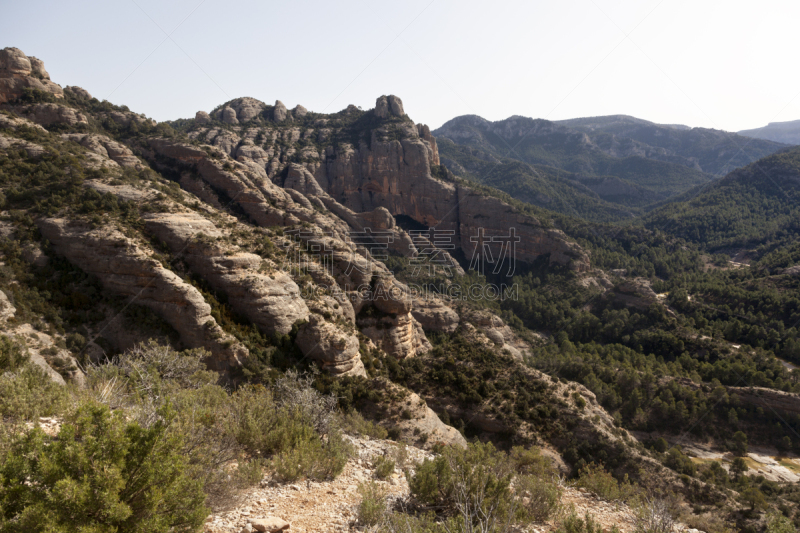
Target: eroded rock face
(279, 112)
(49, 114)
(6, 309)
(333, 349)
(106, 147)
(395, 175)
(127, 270)
(19, 72)
(400, 336)
(416, 422)
(201, 117)
(271, 301)
(434, 315)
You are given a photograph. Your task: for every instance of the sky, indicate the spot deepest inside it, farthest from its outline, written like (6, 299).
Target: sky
(727, 65)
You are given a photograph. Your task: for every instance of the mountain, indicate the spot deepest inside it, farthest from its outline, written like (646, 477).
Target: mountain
(232, 299)
(754, 206)
(782, 132)
(612, 166)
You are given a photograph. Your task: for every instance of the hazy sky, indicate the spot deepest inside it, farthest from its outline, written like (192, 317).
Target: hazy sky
(722, 64)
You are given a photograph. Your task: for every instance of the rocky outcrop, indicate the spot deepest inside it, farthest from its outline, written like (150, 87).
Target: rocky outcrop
(107, 148)
(271, 301)
(78, 92)
(19, 72)
(50, 114)
(411, 417)
(434, 315)
(6, 309)
(636, 293)
(279, 112)
(335, 350)
(388, 106)
(125, 269)
(201, 117)
(32, 149)
(396, 175)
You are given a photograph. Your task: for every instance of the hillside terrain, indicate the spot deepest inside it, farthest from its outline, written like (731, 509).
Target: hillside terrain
(233, 302)
(782, 132)
(601, 168)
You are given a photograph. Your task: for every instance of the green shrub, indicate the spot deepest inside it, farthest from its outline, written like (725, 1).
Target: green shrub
(30, 393)
(573, 524)
(12, 355)
(540, 497)
(313, 458)
(777, 523)
(353, 423)
(595, 479)
(384, 467)
(653, 516)
(372, 508)
(473, 482)
(101, 474)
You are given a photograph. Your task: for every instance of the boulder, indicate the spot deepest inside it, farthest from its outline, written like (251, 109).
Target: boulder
(434, 315)
(334, 350)
(270, 524)
(80, 92)
(247, 108)
(48, 114)
(279, 112)
(229, 116)
(201, 117)
(19, 72)
(299, 111)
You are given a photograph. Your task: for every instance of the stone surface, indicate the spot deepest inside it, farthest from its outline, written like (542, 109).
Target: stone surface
(271, 301)
(7, 310)
(434, 315)
(126, 269)
(270, 524)
(201, 117)
(50, 114)
(279, 112)
(19, 72)
(334, 349)
(80, 92)
(228, 116)
(106, 147)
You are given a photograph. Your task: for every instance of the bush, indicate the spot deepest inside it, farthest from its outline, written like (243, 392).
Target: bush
(373, 506)
(573, 524)
(473, 482)
(541, 497)
(777, 523)
(595, 479)
(653, 516)
(313, 458)
(102, 473)
(12, 355)
(30, 393)
(353, 423)
(384, 467)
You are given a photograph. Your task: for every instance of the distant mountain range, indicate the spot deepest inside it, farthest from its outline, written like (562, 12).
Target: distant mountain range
(600, 168)
(782, 132)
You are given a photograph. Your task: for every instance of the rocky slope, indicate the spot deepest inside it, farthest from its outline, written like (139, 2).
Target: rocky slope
(262, 235)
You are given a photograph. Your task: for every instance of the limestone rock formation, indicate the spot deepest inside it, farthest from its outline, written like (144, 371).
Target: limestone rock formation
(106, 147)
(279, 112)
(434, 315)
(19, 72)
(413, 419)
(387, 106)
(332, 348)
(6, 309)
(272, 302)
(228, 116)
(201, 117)
(79, 92)
(49, 114)
(126, 269)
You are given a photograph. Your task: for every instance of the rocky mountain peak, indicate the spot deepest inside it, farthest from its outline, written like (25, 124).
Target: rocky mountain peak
(19, 72)
(386, 106)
